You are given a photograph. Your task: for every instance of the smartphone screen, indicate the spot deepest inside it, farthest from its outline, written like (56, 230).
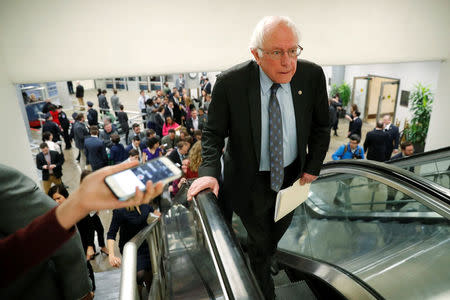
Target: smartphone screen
(154, 170)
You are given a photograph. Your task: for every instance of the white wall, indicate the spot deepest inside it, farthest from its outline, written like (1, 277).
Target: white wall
(53, 40)
(87, 84)
(409, 74)
(438, 132)
(15, 148)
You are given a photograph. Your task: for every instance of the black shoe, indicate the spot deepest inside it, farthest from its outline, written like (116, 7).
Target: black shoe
(335, 134)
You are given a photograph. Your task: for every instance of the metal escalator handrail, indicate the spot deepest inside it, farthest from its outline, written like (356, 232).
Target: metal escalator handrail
(128, 285)
(432, 195)
(421, 158)
(235, 277)
(347, 284)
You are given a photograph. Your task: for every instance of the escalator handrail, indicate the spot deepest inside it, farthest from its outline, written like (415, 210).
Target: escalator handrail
(421, 158)
(347, 284)
(438, 197)
(237, 279)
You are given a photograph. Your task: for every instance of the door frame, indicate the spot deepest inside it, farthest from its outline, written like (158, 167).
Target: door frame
(397, 82)
(366, 108)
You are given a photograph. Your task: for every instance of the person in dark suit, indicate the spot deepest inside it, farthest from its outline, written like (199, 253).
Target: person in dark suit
(355, 124)
(136, 145)
(50, 162)
(103, 103)
(177, 155)
(159, 120)
(407, 149)
(95, 150)
(79, 93)
(376, 143)
(394, 136)
(207, 86)
(52, 127)
(65, 125)
(193, 123)
(275, 81)
(122, 118)
(92, 114)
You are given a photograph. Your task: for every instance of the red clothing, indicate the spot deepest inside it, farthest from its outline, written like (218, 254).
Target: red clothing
(166, 128)
(30, 245)
(55, 116)
(190, 174)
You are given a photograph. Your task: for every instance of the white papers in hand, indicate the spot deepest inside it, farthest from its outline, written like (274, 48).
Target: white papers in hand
(289, 198)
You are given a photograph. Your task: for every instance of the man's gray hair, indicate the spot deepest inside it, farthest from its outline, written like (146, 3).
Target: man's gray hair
(259, 33)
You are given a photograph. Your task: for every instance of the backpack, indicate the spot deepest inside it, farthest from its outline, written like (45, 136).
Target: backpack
(359, 152)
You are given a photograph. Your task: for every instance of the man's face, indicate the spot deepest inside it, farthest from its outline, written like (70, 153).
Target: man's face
(45, 151)
(142, 93)
(185, 149)
(108, 128)
(386, 120)
(280, 70)
(353, 144)
(171, 104)
(409, 150)
(136, 143)
(172, 135)
(137, 129)
(194, 114)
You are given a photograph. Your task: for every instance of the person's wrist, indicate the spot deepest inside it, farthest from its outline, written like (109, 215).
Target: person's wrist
(70, 211)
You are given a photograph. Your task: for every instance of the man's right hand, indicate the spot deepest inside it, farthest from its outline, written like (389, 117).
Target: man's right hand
(201, 184)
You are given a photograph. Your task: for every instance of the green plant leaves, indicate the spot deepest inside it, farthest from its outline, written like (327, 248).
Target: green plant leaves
(420, 101)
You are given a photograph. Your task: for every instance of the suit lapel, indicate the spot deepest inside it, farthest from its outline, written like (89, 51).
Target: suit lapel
(297, 88)
(254, 99)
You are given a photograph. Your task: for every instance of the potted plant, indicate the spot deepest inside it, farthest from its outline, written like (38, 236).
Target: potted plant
(420, 102)
(344, 94)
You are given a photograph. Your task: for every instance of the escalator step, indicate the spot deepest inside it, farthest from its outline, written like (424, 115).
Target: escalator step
(295, 290)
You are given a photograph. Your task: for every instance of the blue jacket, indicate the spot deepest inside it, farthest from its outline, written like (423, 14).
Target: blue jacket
(118, 153)
(95, 151)
(342, 154)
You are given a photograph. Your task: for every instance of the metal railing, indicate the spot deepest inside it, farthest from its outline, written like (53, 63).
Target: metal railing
(234, 274)
(128, 286)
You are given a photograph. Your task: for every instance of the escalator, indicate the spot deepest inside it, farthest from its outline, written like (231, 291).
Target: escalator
(367, 231)
(381, 226)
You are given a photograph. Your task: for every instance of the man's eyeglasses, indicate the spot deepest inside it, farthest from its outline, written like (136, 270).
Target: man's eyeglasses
(277, 54)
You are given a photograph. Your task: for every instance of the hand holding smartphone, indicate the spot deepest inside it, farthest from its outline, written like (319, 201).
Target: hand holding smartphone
(123, 184)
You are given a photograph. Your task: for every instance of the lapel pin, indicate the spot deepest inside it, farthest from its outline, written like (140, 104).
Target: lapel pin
(300, 92)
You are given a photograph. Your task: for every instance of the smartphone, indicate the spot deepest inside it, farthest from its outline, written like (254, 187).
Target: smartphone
(123, 184)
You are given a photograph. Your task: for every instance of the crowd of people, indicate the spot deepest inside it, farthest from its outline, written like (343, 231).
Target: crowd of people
(173, 126)
(381, 144)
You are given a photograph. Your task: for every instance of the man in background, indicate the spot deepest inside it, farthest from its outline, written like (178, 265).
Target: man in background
(115, 103)
(394, 136)
(407, 149)
(376, 143)
(50, 162)
(95, 150)
(79, 93)
(352, 150)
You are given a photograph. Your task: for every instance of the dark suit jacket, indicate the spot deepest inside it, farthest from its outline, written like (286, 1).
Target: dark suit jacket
(207, 87)
(190, 125)
(92, 116)
(355, 127)
(397, 156)
(55, 159)
(95, 151)
(52, 127)
(394, 139)
(159, 123)
(79, 91)
(235, 112)
(122, 117)
(63, 120)
(375, 145)
(174, 157)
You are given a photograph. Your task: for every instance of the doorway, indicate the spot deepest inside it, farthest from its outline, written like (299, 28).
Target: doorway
(375, 96)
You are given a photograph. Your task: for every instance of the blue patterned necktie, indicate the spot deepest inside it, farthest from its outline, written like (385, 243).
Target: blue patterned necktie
(275, 140)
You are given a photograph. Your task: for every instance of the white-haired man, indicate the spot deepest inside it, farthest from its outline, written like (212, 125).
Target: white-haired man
(284, 114)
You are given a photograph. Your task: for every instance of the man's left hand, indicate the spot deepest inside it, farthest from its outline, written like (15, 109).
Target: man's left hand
(395, 151)
(307, 178)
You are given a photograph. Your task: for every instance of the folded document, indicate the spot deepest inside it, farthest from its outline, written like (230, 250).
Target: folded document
(289, 198)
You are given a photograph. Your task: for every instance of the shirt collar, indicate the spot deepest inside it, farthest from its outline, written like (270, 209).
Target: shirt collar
(266, 83)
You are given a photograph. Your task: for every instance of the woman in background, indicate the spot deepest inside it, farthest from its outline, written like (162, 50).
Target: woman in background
(152, 151)
(60, 194)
